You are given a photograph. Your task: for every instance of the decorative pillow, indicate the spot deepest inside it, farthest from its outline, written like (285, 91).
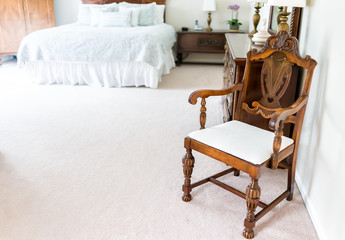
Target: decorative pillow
(134, 14)
(159, 14)
(147, 13)
(115, 19)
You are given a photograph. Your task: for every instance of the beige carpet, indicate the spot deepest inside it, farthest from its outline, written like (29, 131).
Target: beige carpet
(96, 163)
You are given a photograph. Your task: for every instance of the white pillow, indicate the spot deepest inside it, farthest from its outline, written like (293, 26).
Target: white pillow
(134, 14)
(95, 16)
(84, 14)
(135, 17)
(159, 14)
(97, 10)
(130, 5)
(115, 19)
(147, 15)
(111, 7)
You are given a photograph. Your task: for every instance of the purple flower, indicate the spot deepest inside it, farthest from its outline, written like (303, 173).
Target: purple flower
(234, 7)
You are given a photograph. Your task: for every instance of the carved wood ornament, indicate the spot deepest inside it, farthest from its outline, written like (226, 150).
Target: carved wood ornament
(276, 73)
(188, 164)
(275, 78)
(253, 193)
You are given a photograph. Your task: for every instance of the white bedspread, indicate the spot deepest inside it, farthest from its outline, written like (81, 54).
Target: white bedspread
(75, 43)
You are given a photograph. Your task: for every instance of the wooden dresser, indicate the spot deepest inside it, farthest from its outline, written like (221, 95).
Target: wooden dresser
(236, 48)
(21, 17)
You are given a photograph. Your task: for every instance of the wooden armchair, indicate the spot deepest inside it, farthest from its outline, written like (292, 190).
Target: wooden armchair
(246, 147)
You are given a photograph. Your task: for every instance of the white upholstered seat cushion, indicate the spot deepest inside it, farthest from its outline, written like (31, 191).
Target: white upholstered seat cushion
(242, 140)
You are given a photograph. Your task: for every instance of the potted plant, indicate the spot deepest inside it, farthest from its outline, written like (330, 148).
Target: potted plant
(234, 23)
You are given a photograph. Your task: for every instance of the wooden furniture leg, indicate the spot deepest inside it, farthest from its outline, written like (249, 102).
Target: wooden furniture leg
(237, 172)
(179, 59)
(291, 177)
(188, 164)
(252, 197)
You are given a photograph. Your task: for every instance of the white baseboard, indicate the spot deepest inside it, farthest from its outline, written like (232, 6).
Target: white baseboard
(311, 210)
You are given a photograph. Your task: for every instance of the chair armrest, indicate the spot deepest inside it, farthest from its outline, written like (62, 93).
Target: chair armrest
(283, 113)
(207, 93)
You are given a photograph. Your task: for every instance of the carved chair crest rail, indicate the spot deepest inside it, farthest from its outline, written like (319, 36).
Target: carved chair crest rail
(246, 147)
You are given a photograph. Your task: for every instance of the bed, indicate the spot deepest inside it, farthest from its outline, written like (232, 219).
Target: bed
(123, 46)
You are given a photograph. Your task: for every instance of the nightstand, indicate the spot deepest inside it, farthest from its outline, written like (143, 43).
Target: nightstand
(200, 42)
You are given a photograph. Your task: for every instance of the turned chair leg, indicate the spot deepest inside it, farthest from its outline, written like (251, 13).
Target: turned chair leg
(252, 197)
(188, 164)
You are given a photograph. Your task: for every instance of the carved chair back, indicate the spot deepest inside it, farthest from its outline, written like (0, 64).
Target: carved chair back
(264, 92)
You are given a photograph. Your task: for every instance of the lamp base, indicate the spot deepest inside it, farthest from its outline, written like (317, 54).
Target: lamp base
(283, 25)
(256, 19)
(251, 34)
(209, 19)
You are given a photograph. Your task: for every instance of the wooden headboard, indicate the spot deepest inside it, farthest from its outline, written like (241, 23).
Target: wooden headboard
(117, 1)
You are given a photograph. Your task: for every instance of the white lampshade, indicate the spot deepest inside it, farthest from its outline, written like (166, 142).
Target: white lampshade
(209, 6)
(287, 3)
(258, 1)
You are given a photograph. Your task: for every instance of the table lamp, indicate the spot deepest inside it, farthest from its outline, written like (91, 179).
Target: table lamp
(283, 25)
(256, 17)
(209, 6)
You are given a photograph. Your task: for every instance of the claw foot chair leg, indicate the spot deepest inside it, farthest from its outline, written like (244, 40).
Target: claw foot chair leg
(188, 164)
(252, 197)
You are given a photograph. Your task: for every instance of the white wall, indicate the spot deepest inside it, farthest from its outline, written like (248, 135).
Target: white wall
(185, 12)
(66, 11)
(321, 159)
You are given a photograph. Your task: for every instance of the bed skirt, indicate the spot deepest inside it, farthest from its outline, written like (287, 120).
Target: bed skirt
(101, 74)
